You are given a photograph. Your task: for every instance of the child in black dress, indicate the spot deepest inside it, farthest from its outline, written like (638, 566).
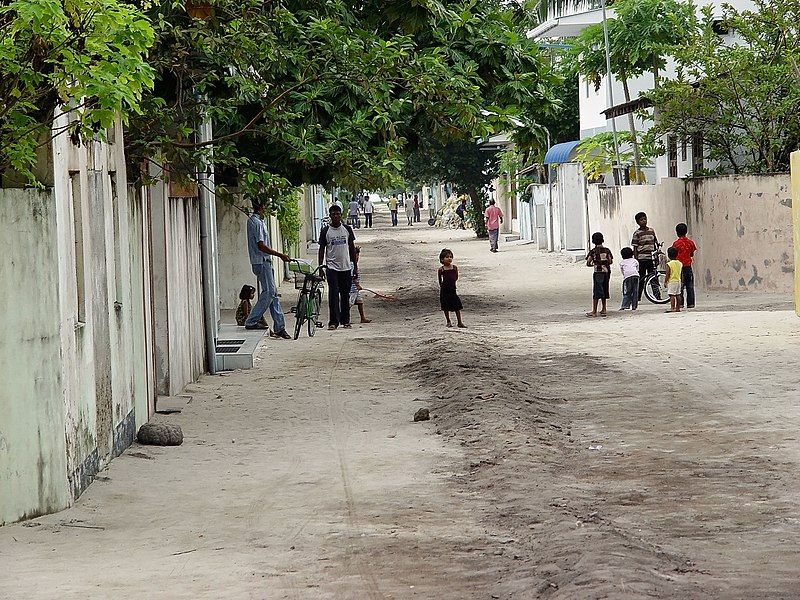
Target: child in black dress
(449, 300)
(246, 296)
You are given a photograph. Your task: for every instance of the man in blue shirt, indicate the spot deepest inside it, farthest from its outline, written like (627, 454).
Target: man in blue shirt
(261, 262)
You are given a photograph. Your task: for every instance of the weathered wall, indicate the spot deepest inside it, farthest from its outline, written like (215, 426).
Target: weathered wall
(177, 289)
(796, 225)
(234, 261)
(33, 467)
(743, 228)
(611, 211)
(71, 329)
(140, 303)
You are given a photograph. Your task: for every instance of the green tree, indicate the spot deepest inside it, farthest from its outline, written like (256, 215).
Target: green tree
(87, 56)
(741, 100)
(642, 36)
(462, 163)
(334, 92)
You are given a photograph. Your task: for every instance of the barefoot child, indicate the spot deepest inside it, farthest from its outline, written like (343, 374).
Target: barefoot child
(674, 268)
(601, 259)
(356, 298)
(448, 275)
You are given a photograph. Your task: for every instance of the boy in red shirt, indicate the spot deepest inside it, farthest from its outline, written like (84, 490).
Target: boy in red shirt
(686, 249)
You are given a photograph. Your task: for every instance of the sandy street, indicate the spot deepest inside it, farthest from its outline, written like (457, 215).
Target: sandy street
(642, 455)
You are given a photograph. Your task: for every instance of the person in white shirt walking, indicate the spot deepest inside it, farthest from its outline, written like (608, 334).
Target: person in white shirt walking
(368, 210)
(337, 249)
(352, 213)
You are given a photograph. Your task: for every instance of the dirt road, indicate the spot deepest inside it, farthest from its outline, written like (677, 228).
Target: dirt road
(639, 456)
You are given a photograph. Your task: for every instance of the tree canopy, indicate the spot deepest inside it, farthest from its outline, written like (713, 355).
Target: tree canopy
(87, 55)
(741, 98)
(308, 92)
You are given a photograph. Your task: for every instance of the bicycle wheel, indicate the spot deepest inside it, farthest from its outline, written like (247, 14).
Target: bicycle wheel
(655, 287)
(300, 313)
(314, 304)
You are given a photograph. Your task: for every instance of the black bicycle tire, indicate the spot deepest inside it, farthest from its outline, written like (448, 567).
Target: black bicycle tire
(648, 289)
(316, 303)
(300, 313)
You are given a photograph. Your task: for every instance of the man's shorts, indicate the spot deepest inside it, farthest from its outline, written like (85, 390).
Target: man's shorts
(356, 298)
(674, 288)
(600, 284)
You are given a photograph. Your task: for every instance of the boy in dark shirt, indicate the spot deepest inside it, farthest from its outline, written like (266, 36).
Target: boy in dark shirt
(644, 243)
(601, 259)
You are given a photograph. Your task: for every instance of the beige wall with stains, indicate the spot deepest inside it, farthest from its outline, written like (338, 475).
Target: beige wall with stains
(742, 225)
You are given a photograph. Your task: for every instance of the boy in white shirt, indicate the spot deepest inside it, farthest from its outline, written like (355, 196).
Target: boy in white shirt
(629, 267)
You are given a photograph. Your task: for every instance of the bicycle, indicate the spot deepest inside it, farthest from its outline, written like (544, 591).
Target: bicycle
(655, 283)
(310, 283)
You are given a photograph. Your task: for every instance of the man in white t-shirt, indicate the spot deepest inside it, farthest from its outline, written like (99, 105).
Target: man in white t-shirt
(368, 210)
(337, 248)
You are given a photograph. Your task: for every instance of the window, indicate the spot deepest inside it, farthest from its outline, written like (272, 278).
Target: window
(697, 154)
(76, 200)
(683, 149)
(672, 156)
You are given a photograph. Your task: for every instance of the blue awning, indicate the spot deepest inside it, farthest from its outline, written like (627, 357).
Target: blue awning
(560, 153)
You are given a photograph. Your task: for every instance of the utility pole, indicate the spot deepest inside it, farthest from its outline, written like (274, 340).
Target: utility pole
(616, 167)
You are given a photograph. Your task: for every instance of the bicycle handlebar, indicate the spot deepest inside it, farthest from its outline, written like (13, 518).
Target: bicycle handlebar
(316, 271)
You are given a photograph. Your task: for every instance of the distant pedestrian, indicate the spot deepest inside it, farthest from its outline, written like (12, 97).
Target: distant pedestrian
(337, 248)
(629, 267)
(352, 214)
(393, 209)
(448, 298)
(686, 250)
(356, 297)
(261, 262)
(409, 206)
(493, 216)
(674, 269)
(461, 211)
(368, 210)
(601, 259)
(417, 205)
(644, 243)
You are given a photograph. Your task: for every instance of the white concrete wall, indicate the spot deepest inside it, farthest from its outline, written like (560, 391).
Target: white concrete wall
(177, 289)
(72, 328)
(741, 224)
(33, 457)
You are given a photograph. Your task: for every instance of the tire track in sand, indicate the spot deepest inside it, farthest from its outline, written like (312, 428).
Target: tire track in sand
(335, 410)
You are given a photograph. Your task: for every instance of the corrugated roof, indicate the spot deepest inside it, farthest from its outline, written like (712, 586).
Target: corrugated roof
(560, 153)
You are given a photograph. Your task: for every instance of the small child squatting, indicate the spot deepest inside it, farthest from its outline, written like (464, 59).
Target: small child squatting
(674, 268)
(447, 277)
(246, 295)
(601, 259)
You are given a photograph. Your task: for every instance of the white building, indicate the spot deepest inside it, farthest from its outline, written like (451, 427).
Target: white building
(683, 157)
